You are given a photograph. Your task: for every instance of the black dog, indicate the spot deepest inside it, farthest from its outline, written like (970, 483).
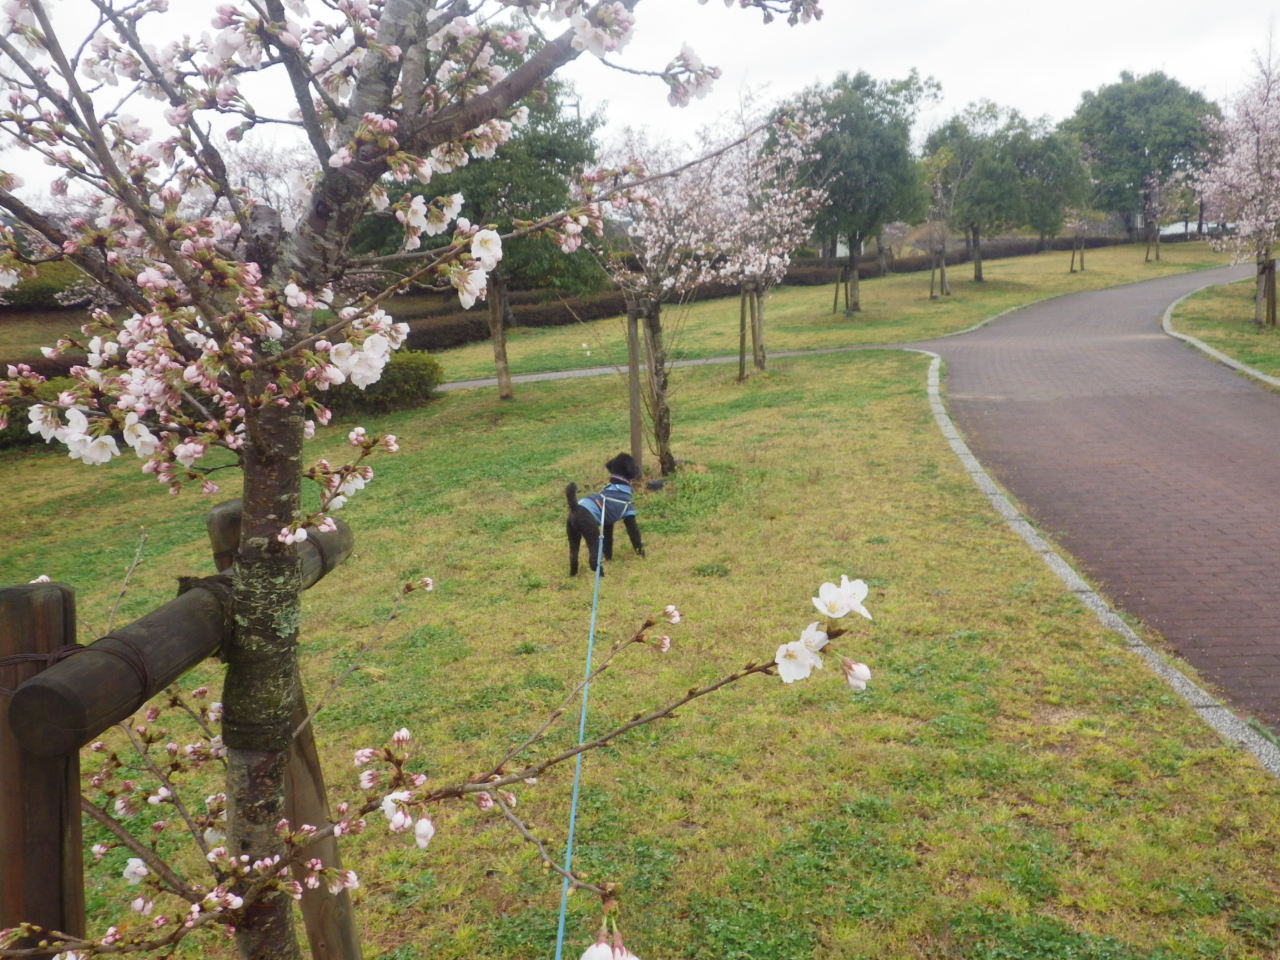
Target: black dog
(613, 503)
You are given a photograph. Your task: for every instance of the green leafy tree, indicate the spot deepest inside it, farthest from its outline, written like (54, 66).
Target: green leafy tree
(865, 160)
(980, 174)
(1053, 176)
(1138, 132)
(528, 177)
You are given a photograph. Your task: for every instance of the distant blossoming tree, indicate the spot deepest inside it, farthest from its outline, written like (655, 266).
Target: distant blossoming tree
(766, 202)
(1242, 185)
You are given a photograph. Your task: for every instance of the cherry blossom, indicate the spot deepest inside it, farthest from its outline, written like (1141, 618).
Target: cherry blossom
(796, 661)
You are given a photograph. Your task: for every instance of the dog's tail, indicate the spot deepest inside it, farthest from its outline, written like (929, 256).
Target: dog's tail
(571, 494)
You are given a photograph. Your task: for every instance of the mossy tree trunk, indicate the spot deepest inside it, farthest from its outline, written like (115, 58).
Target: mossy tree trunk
(262, 683)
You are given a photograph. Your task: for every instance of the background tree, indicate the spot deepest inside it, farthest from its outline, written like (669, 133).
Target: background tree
(1242, 184)
(528, 177)
(865, 161)
(235, 328)
(941, 182)
(1136, 132)
(1053, 177)
(764, 208)
(981, 175)
(663, 243)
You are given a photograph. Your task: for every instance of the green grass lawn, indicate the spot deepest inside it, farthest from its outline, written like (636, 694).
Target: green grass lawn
(1013, 784)
(1222, 317)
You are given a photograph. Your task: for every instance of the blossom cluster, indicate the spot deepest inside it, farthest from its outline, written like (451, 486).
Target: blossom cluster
(1242, 183)
(799, 658)
(733, 218)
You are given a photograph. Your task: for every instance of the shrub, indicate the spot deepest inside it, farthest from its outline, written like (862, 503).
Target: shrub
(408, 380)
(16, 433)
(40, 292)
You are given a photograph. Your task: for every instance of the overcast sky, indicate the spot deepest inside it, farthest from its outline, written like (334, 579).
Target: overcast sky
(1034, 55)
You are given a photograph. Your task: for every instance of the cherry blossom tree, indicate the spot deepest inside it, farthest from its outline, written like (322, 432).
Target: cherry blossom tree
(232, 327)
(1243, 183)
(766, 204)
(662, 245)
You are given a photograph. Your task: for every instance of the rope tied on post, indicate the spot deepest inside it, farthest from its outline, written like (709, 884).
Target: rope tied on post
(45, 661)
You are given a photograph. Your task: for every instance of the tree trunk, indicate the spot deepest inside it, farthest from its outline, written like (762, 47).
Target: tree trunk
(659, 411)
(1073, 258)
(1082, 254)
(634, 398)
(1157, 233)
(1271, 290)
(855, 290)
(977, 256)
(742, 333)
(757, 326)
(933, 271)
(498, 333)
(943, 287)
(262, 687)
(1260, 290)
(835, 303)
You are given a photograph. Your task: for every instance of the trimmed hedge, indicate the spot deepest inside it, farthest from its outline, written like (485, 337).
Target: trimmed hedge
(40, 292)
(17, 434)
(408, 380)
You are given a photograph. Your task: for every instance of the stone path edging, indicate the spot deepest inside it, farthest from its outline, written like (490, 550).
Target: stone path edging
(1210, 710)
(1167, 323)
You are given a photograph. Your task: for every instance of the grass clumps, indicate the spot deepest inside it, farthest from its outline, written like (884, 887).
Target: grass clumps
(1222, 317)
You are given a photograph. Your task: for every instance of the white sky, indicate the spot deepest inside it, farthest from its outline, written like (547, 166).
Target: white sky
(1037, 56)
(1034, 55)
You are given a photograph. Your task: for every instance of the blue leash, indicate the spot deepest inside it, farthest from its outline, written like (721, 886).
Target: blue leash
(582, 732)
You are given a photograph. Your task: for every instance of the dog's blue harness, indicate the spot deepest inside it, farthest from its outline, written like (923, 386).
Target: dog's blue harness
(611, 504)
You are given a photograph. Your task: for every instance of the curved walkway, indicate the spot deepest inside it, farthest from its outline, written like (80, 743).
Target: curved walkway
(1156, 467)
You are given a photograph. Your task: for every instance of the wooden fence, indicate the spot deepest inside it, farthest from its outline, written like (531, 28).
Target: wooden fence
(60, 697)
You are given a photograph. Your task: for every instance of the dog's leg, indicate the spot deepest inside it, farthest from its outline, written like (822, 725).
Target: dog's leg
(593, 546)
(608, 541)
(575, 538)
(633, 531)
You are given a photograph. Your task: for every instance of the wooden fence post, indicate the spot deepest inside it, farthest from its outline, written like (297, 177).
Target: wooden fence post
(41, 861)
(328, 919)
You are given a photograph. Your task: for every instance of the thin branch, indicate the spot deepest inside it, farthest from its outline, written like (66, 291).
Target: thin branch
(174, 793)
(353, 666)
(637, 637)
(124, 584)
(638, 720)
(523, 830)
(145, 853)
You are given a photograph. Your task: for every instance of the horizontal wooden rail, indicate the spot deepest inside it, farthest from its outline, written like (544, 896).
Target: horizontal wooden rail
(66, 706)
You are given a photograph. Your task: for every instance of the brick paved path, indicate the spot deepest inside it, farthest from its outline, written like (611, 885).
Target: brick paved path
(1158, 468)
